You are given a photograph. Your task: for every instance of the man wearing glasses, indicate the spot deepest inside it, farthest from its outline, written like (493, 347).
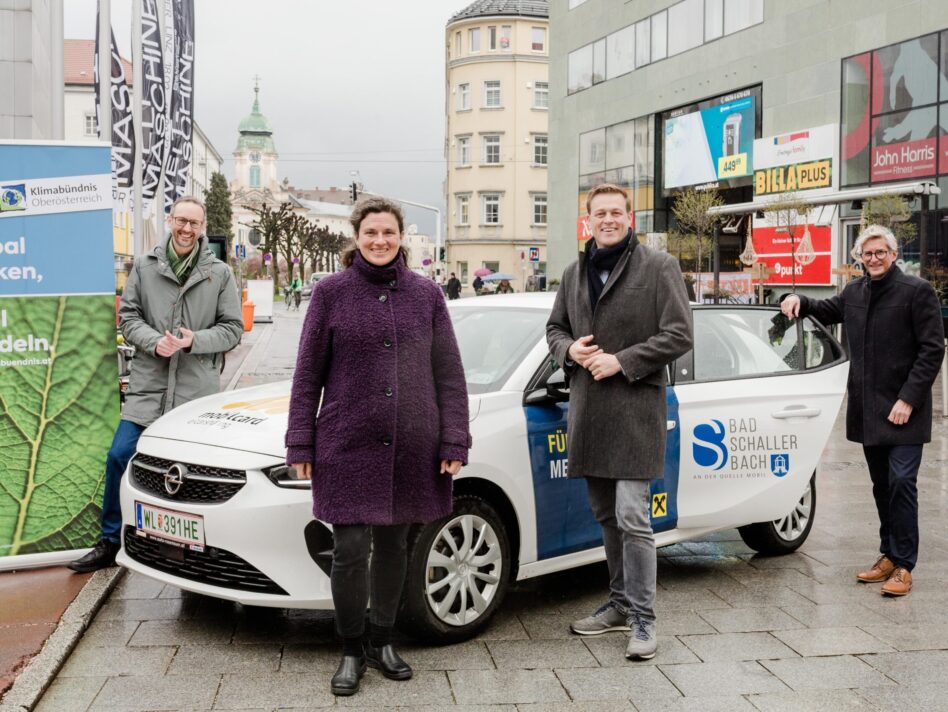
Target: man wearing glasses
(896, 345)
(181, 311)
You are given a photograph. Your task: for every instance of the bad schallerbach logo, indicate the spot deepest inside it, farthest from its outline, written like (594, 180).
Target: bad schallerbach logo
(739, 449)
(709, 449)
(12, 197)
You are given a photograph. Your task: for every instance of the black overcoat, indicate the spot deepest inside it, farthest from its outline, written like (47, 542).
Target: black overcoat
(617, 426)
(896, 343)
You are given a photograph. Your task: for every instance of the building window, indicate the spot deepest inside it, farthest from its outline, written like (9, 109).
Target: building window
(463, 209)
(254, 176)
(491, 208)
(643, 51)
(506, 38)
(464, 150)
(541, 95)
(539, 208)
(686, 20)
(492, 94)
(579, 69)
(464, 97)
(474, 39)
(620, 52)
(659, 35)
(462, 272)
(90, 126)
(713, 19)
(592, 152)
(575, 3)
(457, 44)
(491, 38)
(741, 14)
(492, 149)
(540, 148)
(599, 61)
(538, 39)
(493, 266)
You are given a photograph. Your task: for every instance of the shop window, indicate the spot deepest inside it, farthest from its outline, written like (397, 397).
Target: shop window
(856, 122)
(620, 52)
(741, 14)
(685, 26)
(462, 272)
(492, 265)
(906, 75)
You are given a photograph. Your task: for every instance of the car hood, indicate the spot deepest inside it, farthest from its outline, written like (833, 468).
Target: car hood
(249, 419)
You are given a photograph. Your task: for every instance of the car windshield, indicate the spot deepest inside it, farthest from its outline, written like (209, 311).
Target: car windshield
(494, 341)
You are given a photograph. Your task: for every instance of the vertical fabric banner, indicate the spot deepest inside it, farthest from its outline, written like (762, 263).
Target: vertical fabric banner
(123, 132)
(154, 101)
(58, 377)
(178, 155)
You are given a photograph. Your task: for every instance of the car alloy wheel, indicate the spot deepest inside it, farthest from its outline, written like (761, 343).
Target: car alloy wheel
(791, 527)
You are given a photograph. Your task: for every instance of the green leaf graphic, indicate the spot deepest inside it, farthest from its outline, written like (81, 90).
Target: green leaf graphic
(56, 420)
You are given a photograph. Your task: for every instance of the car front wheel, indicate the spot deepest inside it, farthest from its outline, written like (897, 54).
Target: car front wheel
(786, 534)
(458, 573)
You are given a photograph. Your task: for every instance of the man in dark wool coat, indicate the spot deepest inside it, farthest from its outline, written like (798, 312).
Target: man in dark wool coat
(620, 316)
(896, 344)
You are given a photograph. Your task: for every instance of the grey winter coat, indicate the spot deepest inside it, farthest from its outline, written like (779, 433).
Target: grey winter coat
(153, 301)
(896, 345)
(617, 426)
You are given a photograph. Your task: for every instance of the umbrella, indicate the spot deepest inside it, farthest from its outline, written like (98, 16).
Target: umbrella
(481, 272)
(498, 276)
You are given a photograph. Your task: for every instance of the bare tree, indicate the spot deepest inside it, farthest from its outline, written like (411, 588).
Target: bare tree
(691, 211)
(272, 226)
(893, 212)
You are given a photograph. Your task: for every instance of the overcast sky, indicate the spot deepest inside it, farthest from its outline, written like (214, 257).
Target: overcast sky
(347, 85)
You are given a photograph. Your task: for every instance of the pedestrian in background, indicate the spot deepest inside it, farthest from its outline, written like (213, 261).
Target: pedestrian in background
(620, 316)
(504, 287)
(454, 287)
(478, 284)
(379, 353)
(896, 343)
(181, 311)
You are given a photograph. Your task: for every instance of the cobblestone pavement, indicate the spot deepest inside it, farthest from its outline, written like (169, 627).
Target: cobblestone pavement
(737, 631)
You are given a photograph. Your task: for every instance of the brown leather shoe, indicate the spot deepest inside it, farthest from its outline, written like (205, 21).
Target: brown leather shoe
(880, 571)
(899, 583)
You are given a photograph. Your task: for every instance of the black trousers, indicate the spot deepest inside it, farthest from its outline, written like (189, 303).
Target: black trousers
(894, 472)
(354, 578)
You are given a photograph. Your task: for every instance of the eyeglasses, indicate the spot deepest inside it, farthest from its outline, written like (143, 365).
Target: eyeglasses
(195, 224)
(877, 254)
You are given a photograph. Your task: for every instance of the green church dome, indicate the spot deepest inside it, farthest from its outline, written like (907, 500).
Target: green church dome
(255, 131)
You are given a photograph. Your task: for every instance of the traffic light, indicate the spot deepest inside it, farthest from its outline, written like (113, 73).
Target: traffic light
(354, 192)
(441, 254)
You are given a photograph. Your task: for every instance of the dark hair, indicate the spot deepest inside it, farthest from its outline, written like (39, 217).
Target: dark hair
(363, 209)
(604, 188)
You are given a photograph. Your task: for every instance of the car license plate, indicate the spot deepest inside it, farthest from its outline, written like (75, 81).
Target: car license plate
(169, 525)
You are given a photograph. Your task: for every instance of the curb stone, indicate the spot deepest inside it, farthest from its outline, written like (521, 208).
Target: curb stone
(36, 677)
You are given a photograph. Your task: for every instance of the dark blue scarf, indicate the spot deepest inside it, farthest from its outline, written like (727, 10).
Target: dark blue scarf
(599, 259)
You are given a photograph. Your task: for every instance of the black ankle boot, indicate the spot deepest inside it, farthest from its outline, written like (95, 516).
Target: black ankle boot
(385, 658)
(99, 558)
(350, 671)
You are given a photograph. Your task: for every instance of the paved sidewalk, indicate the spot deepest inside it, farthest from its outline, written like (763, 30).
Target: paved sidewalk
(34, 601)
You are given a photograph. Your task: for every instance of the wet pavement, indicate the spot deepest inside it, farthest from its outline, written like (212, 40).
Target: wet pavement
(737, 631)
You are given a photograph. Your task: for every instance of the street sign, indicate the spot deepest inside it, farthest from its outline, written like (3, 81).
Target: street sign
(534, 254)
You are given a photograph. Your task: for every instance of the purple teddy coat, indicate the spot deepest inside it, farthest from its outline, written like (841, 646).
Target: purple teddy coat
(379, 347)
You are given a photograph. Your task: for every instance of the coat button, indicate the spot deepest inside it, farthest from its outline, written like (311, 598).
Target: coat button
(387, 440)
(386, 343)
(392, 283)
(383, 297)
(389, 392)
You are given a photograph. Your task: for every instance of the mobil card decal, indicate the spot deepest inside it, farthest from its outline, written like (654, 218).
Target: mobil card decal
(738, 449)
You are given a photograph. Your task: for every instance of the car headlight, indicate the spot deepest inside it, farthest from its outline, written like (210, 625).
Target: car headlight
(286, 476)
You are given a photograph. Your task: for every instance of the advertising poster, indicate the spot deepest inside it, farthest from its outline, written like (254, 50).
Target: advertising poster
(58, 381)
(806, 260)
(797, 161)
(711, 144)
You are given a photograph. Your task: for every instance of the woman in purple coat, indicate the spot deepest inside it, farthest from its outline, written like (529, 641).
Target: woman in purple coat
(379, 359)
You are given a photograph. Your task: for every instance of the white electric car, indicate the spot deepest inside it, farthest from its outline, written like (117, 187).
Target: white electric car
(209, 505)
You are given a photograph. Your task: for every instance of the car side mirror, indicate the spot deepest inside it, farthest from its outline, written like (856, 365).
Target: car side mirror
(556, 390)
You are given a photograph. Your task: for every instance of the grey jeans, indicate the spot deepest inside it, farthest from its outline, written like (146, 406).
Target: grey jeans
(622, 508)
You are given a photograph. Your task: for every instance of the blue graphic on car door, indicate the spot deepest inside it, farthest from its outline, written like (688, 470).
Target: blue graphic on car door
(565, 523)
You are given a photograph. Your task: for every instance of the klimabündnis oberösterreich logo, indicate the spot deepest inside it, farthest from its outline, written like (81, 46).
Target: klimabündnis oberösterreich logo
(709, 449)
(779, 463)
(12, 197)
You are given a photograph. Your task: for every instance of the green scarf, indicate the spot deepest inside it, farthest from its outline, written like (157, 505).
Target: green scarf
(182, 266)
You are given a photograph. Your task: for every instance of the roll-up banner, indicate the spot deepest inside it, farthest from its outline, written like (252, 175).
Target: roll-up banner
(123, 132)
(178, 156)
(154, 101)
(58, 377)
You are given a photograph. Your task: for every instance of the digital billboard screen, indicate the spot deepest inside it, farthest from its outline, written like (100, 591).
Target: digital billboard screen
(711, 143)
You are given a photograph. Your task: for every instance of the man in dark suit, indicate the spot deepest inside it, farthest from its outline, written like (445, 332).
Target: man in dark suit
(896, 345)
(620, 316)
(453, 287)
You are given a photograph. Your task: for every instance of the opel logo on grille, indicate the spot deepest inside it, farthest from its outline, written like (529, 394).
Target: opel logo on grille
(175, 477)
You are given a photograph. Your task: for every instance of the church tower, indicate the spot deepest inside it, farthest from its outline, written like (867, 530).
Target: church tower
(255, 158)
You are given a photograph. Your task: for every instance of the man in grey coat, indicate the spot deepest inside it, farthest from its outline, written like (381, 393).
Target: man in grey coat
(620, 316)
(181, 311)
